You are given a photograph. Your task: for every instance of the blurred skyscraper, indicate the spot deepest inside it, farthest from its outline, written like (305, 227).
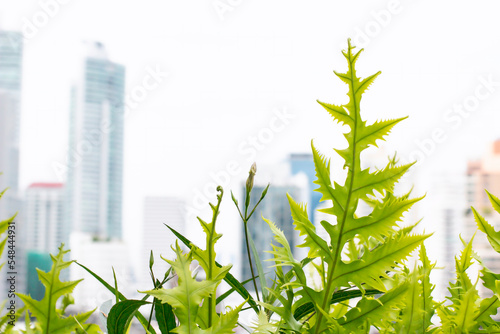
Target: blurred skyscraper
(44, 216)
(95, 165)
(483, 174)
(444, 216)
(157, 237)
(11, 53)
(43, 231)
(103, 257)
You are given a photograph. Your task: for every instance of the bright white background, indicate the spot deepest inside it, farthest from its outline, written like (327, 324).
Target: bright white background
(229, 71)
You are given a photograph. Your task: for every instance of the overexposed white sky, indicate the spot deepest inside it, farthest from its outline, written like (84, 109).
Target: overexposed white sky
(229, 74)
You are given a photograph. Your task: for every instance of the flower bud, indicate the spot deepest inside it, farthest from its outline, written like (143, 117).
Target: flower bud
(251, 174)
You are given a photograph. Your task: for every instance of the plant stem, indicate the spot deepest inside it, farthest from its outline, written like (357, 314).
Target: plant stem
(151, 314)
(250, 260)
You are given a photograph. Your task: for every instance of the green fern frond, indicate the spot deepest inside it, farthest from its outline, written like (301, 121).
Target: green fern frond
(419, 306)
(206, 259)
(317, 246)
(45, 310)
(485, 227)
(262, 325)
(187, 296)
(467, 310)
(194, 302)
(362, 251)
(462, 314)
(495, 201)
(377, 312)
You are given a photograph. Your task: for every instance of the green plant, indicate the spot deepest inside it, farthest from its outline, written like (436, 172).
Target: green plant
(364, 252)
(194, 302)
(7, 319)
(466, 311)
(363, 280)
(245, 217)
(50, 317)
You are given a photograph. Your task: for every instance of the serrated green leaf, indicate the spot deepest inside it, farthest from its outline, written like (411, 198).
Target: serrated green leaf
(487, 309)
(187, 296)
(338, 113)
(495, 202)
(45, 310)
(262, 325)
(226, 323)
(485, 227)
(466, 311)
(374, 311)
(370, 134)
(380, 223)
(317, 246)
(368, 269)
(228, 278)
(375, 244)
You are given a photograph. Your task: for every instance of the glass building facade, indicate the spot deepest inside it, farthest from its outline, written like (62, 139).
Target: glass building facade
(11, 51)
(95, 164)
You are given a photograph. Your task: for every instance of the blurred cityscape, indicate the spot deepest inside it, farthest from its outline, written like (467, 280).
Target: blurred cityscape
(85, 210)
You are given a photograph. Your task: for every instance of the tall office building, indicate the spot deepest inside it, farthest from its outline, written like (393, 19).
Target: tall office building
(444, 208)
(11, 54)
(44, 217)
(11, 51)
(483, 174)
(157, 237)
(103, 257)
(95, 162)
(274, 207)
(43, 232)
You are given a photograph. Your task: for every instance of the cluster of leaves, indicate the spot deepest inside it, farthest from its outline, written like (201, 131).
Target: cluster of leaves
(6, 317)
(194, 301)
(363, 280)
(192, 305)
(364, 254)
(466, 311)
(50, 317)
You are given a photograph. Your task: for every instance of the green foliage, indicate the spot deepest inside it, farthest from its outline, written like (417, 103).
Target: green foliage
(143, 321)
(121, 315)
(355, 280)
(194, 301)
(466, 311)
(49, 317)
(229, 278)
(418, 305)
(373, 244)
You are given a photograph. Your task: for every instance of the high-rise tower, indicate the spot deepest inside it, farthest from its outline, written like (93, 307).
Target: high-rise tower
(11, 51)
(95, 165)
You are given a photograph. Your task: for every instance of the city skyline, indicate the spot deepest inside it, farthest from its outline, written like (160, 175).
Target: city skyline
(225, 93)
